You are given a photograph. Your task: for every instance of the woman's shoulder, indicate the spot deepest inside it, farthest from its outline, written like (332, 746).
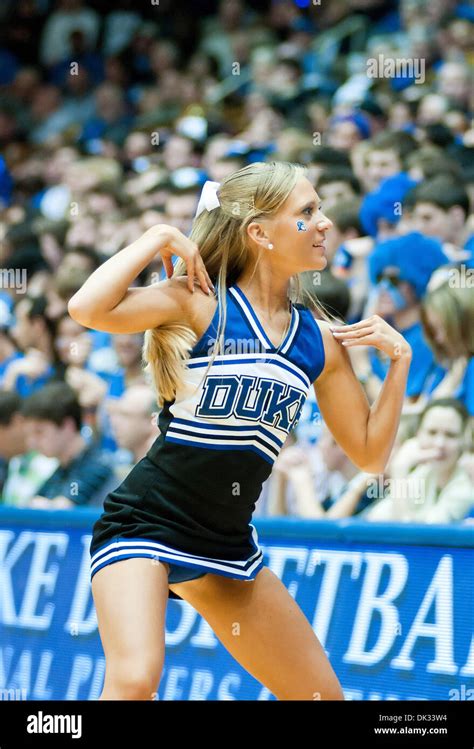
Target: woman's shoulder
(199, 307)
(189, 302)
(333, 352)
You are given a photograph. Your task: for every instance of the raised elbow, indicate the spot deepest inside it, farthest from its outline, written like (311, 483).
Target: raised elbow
(78, 312)
(372, 466)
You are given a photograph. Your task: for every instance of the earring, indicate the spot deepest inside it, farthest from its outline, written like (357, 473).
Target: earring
(270, 246)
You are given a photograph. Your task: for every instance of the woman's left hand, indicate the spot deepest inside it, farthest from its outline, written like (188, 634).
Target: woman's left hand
(373, 331)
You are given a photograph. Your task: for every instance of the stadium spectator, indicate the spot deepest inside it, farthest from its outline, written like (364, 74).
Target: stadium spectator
(34, 332)
(447, 317)
(53, 425)
(134, 422)
(22, 470)
(336, 185)
(400, 270)
(317, 483)
(427, 484)
(69, 16)
(8, 350)
(440, 210)
(386, 156)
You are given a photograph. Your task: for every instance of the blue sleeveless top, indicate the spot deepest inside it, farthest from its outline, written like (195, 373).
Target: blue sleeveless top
(232, 422)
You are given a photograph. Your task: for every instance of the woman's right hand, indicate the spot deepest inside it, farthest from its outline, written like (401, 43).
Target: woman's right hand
(174, 242)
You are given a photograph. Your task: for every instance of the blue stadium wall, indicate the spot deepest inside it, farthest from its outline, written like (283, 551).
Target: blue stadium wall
(392, 605)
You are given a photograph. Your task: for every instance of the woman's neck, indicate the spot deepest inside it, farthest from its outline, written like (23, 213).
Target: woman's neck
(267, 291)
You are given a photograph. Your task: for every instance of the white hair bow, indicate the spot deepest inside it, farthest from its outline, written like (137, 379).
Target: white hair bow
(208, 199)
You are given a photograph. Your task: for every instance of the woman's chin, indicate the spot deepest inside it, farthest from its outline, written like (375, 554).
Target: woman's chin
(321, 263)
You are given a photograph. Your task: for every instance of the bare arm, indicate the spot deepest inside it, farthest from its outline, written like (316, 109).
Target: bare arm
(105, 301)
(365, 433)
(276, 501)
(346, 505)
(307, 502)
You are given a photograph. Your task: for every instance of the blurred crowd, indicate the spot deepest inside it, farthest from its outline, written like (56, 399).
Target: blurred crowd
(113, 115)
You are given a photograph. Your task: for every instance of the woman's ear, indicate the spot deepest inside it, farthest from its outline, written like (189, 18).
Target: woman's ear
(256, 232)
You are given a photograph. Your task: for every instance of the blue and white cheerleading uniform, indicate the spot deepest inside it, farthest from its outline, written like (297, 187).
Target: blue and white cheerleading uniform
(189, 501)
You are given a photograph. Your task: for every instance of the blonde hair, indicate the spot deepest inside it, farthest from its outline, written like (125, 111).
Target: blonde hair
(454, 305)
(255, 191)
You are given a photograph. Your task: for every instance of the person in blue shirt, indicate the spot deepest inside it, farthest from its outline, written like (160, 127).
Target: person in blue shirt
(8, 351)
(34, 332)
(381, 209)
(400, 270)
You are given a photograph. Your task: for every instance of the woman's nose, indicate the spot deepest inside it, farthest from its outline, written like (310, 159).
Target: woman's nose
(323, 223)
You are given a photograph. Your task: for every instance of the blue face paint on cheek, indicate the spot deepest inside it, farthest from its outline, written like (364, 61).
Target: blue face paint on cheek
(396, 296)
(301, 226)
